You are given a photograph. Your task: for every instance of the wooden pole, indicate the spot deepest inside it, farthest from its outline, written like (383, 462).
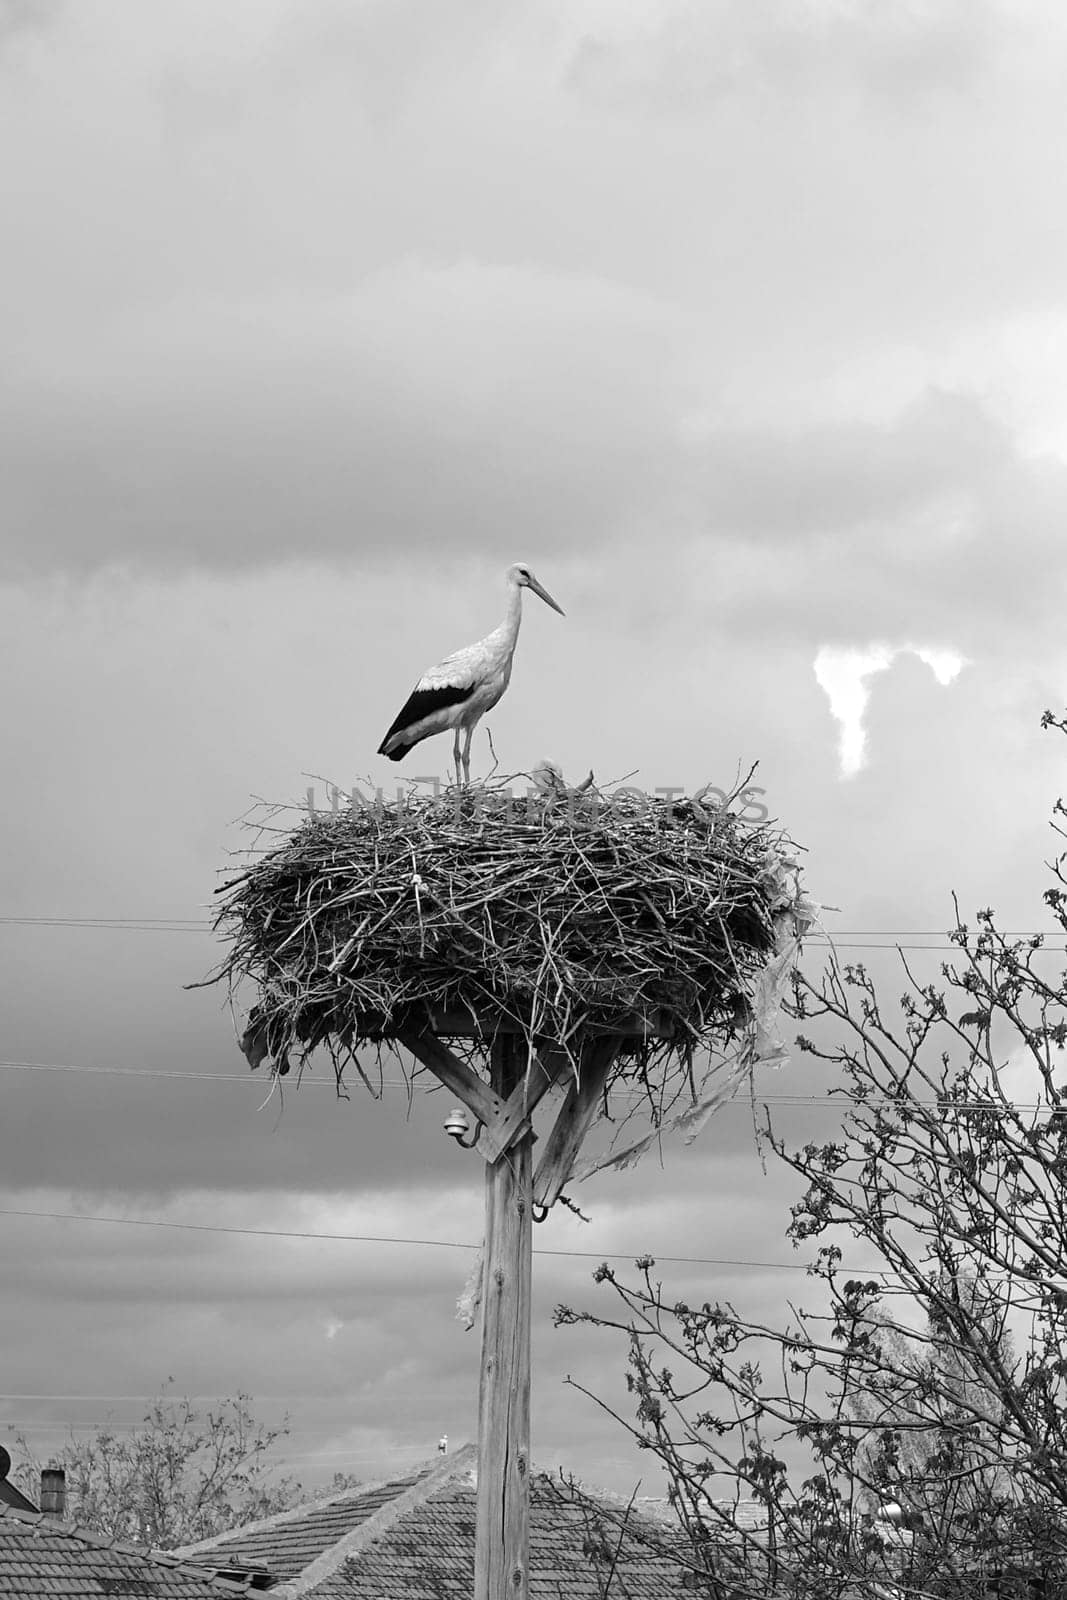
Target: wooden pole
(502, 1544)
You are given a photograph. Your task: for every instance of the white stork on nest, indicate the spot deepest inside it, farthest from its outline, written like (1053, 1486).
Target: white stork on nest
(465, 685)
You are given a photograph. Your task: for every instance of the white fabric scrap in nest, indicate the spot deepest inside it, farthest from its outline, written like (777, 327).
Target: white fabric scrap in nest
(689, 1122)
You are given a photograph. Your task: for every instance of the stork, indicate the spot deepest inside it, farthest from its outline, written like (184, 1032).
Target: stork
(465, 685)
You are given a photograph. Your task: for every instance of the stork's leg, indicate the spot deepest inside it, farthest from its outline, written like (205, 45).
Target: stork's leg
(456, 757)
(467, 754)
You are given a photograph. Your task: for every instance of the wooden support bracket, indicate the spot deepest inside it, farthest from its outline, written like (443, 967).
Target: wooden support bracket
(477, 1096)
(575, 1116)
(504, 1122)
(546, 1067)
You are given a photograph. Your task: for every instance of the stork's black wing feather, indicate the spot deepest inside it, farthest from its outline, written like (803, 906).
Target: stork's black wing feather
(420, 703)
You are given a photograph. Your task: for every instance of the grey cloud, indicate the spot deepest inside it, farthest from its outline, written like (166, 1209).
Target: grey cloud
(257, 328)
(114, 1136)
(696, 55)
(834, 478)
(225, 1312)
(383, 52)
(437, 404)
(913, 532)
(19, 17)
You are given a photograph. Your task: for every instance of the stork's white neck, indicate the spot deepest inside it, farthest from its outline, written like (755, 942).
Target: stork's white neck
(510, 625)
(501, 642)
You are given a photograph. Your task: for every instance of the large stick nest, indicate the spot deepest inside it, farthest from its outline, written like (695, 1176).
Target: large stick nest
(561, 915)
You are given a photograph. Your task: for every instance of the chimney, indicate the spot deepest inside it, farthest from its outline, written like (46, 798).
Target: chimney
(53, 1492)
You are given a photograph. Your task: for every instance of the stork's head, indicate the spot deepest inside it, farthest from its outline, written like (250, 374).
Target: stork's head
(521, 576)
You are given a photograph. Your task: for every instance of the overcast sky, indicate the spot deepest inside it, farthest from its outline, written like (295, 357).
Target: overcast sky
(745, 326)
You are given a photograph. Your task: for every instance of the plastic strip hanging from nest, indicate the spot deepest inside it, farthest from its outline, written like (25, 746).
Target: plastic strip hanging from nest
(471, 1298)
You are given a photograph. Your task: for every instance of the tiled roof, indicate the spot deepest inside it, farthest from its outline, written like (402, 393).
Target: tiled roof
(288, 1543)
(413, 1539)
(429, 1554)
(42, 1560)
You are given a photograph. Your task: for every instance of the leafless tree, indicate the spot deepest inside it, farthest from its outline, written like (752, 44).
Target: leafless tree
(909, 1435)
(180, 1476)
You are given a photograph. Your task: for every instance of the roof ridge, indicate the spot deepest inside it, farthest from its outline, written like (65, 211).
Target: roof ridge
(99, 1541)
(624, 1510)
(278, 1519)
(19, 1513)
(353, 1543)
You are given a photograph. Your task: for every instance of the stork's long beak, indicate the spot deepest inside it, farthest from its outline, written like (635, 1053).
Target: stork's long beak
(545, 596)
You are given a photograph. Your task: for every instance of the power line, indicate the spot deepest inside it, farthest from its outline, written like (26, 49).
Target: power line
(158, 1072)
(199, 1399)
(115, 924)
(372, 1238)
(273, 1396)
(440, 1244)
(101, 1425)
(247, 1078)
(840, 939)
(92, 920)
(421, 1450)
(282, 1459)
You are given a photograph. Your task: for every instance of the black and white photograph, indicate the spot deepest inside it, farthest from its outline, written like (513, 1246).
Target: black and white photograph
(533, 882)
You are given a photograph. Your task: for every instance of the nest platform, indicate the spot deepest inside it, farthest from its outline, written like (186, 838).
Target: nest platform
(556, 918)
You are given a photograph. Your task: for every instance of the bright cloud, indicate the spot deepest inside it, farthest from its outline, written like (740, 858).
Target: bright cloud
(945, 665)
(843, 675)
